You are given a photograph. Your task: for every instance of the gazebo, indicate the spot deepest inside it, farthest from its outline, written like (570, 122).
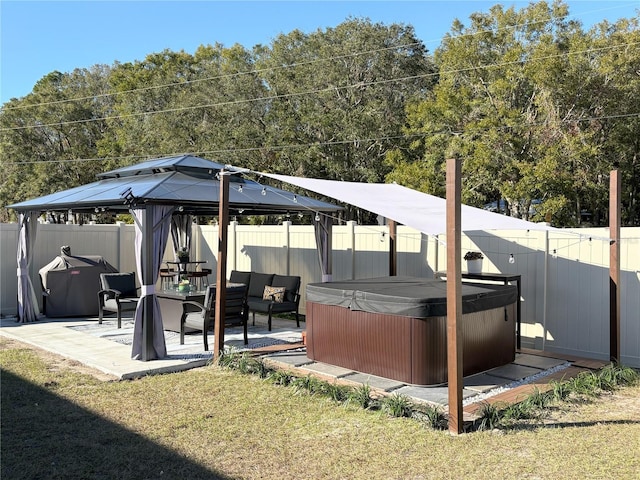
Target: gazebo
(156, 192)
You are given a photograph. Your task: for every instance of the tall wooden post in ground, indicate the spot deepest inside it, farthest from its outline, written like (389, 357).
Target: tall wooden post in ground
(393, 248)
(454, 297)
(221, 272)
(615, 186)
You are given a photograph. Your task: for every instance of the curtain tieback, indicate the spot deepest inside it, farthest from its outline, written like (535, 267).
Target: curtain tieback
(148, 290)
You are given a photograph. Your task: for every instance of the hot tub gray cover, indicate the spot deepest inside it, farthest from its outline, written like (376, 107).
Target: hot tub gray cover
(408, 296)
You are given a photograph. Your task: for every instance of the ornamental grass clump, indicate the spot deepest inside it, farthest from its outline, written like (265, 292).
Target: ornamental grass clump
(397, 405)
(361, 396)
(534, 406)
(432, 416)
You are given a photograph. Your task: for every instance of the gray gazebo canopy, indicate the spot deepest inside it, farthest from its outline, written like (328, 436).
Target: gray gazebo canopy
(185, 181)
(153, 192)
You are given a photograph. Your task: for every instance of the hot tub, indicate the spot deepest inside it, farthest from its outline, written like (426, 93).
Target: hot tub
(396, 327)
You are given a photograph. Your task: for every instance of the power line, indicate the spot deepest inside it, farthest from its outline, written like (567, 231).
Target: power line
(326, 89)
(298, 64)
(315, 144)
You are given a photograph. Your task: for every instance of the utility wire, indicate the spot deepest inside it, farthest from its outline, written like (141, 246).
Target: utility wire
(298, 64)
(315, 144)
(321, 90)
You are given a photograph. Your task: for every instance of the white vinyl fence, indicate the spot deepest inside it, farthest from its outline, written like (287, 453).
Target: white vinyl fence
(565, 276)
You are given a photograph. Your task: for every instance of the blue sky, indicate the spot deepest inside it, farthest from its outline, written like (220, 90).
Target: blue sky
(38, 37)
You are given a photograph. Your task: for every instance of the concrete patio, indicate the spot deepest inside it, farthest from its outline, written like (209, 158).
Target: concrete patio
(76, 339)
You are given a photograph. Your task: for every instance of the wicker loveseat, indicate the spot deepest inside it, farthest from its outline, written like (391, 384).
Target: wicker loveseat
(265, 293)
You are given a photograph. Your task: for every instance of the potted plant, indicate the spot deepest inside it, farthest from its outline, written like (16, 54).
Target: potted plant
(184, 286)
(474, 261)
(183, 255)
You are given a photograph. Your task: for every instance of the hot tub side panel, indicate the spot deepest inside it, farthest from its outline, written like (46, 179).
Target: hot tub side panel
(370, 343)
(428, 351)
(406, 349)
(489, 339)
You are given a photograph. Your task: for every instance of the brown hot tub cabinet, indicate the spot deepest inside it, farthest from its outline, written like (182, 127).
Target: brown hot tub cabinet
(396, 327)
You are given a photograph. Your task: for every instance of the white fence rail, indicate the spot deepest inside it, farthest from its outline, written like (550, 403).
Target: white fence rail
(565, 277)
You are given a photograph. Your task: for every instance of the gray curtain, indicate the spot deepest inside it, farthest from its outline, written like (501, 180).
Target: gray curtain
(323, 225)
(160, 225)
(28, 310)
(180, 232)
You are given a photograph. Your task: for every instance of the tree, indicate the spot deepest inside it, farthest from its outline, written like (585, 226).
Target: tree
(528, 100)
(338, 97)
(172, 102)
(48, 139)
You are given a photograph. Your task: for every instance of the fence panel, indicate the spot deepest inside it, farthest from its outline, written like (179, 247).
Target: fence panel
(565, 305)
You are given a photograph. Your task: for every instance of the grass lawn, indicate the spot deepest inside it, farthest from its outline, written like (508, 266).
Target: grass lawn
(60, 421)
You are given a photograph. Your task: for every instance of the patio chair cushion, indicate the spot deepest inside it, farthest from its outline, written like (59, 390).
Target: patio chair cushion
(125, 283)
(118, 294)
(126, 304)
(291, 283)
(240, 277)
(258, 282)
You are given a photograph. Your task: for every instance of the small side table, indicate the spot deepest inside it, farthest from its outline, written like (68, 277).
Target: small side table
(505, 278)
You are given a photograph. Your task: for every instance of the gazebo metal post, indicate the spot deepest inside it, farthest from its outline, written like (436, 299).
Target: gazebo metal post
(393, 248)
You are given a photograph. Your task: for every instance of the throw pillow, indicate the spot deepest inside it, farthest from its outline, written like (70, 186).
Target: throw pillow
(273, 293)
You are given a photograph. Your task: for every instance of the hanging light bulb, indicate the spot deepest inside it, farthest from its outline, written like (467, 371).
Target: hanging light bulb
(239, 188)
(317, 218)
(554, 254)
(264, 190)
(512, 260)
(295, 199)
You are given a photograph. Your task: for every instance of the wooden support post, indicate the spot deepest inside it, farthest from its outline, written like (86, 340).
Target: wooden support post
(454, 297)
(221, 272)
(615, 186)
(393, 248)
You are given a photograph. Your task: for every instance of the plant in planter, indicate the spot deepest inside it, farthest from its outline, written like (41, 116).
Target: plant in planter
(474, 261)
(183, 254)
(184, 286)
(473, 256)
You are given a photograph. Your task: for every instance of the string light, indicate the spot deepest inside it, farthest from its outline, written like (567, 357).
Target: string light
(317, 217)
(295, 199)
(239, 188)
(554, 254)
(264, 190)
(512, 259)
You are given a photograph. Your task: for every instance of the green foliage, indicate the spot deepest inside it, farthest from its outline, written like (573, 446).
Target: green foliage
(534, 406)
(361, 396)
(397, 405)
(559, 390)
(432, 416)
(308, 384)
(522, 99)
(489, 417)
(537, 108)
(280, 377)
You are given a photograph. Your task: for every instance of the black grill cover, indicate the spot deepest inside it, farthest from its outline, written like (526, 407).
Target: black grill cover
(70, 285)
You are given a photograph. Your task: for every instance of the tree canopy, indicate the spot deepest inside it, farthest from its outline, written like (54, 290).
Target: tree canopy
(539, 109)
